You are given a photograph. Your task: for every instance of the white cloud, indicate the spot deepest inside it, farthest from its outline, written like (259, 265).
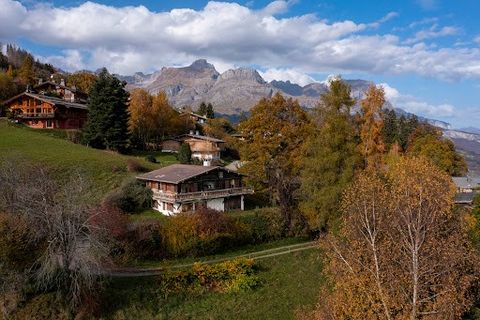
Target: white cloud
(414, 105)
(133, 38)
(477, 39)
(291, 75)
(387, 17)
(433, 32)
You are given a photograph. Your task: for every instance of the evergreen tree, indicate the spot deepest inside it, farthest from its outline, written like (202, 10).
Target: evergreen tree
(202, 109)
(390, 128)
(107, 125)
(185, 154)
(209, 112)
(331, 159)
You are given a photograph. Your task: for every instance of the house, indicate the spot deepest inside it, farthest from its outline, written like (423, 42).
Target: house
(49, 106)
(204, 149)
(467, 188)
(41, 111)
(182, 188)
(194, 117)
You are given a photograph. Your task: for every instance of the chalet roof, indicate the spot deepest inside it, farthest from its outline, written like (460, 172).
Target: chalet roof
(51, 100)
(200, 137)
(177, 173)
(466, 182)
(465, 197)
(196, 115)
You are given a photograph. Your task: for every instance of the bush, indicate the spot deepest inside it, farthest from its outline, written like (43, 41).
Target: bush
(184, 154)
(132, 197)
(151, 158)
(74, 136)
(135, 166)
(264, 224)
(229, 276)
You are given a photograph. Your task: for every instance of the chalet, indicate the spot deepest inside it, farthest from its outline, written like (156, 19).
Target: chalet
(204, 149)
(194, 117)
(49, 106)
(182, 188)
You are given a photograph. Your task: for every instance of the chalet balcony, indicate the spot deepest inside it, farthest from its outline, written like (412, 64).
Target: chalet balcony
(200, 195)
(35, 115)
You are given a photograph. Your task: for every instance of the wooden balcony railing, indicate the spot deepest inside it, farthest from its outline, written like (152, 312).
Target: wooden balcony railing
(201, 195)
(36, 115)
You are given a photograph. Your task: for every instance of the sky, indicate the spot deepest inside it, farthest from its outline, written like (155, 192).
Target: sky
(425, 53)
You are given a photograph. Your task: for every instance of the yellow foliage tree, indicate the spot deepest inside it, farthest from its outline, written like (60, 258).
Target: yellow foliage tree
(371, 124)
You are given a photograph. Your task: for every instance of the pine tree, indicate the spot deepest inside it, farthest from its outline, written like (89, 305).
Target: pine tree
(209, 112)
(390, 128)
(331, 159)
(107, 125)
(202, 109)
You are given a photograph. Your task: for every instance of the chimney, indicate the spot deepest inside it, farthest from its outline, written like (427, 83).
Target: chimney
(62, 82)
(197, 133)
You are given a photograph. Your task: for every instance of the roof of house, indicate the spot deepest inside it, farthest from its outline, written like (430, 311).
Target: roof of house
(465, 197)
(466, 182)
(196, 136)
(184, 113)
(177, 173)
(49, 99)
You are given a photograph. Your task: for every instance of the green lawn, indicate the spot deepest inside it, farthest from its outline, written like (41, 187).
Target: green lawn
(288, 283)
(106, 170)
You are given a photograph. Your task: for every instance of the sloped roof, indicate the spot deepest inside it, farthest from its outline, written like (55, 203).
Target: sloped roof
(466, 182)
(51, 100)
(177, 173)
(196, 136)
(58, 85)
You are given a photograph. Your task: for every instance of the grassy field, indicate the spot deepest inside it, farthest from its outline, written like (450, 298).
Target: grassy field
(106, 170)
(288, 283)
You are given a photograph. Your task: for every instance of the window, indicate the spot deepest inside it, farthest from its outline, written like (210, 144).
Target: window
(39, 103)
(220, 174)
(49, 124)
(39, 110)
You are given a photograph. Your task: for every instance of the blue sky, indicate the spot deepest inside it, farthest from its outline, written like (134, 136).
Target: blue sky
(426, 53)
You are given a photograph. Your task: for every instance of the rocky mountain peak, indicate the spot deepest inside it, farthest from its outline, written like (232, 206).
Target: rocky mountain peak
(201, 64)
(242, 74)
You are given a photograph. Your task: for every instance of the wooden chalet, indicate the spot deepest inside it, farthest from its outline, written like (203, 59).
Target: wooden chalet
(49, 106)
(204, 149)
(182, 188)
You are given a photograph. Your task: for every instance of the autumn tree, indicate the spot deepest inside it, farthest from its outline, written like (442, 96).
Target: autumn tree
(371, 123)
(331, 158)
(82, 80)
(141, 120)
(273, 151)
(402, 252)
(166, 120)
(107, 125)
(26, 73)
(441, 152)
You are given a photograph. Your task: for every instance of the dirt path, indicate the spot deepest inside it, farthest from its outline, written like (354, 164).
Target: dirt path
(257, 255)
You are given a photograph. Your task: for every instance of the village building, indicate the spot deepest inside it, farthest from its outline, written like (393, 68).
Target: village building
(467, 189)
(204, 149)
(49, 106)
(194, 117)
(183, 188)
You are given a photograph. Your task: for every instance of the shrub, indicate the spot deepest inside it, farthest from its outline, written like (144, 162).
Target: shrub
(184, 154)
(135, 166)
(264, 225)
(132, 196)
(151, 158)
(74, 136)
(229, 276)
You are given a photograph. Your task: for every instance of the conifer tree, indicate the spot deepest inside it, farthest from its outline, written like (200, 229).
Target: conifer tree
(332, 157)
(185, 154)
(209, 112)
(26, 73)
(107, 125)
(202, 109)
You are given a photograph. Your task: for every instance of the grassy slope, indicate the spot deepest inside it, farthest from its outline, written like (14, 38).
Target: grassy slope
(106, 170)
(289, 282)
